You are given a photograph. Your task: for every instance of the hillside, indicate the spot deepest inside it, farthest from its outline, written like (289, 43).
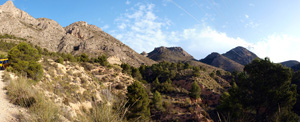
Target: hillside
(177, 54)
(240, 55)
(76, 38)
(72, 88)
(217, 60)
(170, 54)
(290, 63)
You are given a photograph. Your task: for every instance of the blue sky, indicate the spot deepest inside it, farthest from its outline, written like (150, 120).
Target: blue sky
(267, 27)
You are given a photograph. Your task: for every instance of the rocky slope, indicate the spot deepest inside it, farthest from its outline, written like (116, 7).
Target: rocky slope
(76, 38)
(218, 60)
(240, 55)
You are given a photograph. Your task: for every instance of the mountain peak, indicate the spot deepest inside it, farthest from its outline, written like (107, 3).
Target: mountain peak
(8, 4)
(172, 54)
(240, 55)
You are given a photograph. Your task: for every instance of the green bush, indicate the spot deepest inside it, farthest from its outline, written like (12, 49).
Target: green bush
(60, 60)
(138, 102)
(195, 91)
(23, 58)
(84, 58)
(102, 60)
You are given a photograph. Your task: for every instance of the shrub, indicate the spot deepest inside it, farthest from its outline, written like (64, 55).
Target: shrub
(60, 60)
(157, 101)
(138, 101)
(24, 59)
(102, 60)
(195, 91)
(84, 58)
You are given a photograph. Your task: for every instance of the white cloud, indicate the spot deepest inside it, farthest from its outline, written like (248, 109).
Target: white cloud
(251, 24)
(141, 29)
(251, 5)
(105, 27)
(246, 16)
(279, 48)
(127, 2)
(201, 41)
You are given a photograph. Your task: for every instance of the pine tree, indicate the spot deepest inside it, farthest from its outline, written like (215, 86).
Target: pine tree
(264, 90)
(157, 101)
(138, 102)
(24, 59)
(195, 91)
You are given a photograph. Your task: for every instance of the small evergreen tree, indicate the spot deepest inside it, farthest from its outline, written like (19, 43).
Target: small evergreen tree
(195, 91)
(24, 59)
(157, 101)
(136, 74)
(84, 57)
(138, 102)
(102, 60)
(155, 84)
(126, 69)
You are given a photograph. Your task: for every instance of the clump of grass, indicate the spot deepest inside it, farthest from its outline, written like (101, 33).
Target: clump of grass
(109, 110)
(21, 92)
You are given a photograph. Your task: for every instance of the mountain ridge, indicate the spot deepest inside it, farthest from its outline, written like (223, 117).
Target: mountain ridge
(77, 38)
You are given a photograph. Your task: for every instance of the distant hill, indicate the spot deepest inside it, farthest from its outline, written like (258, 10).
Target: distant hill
(218, 60)
(170, 54)
(290, 63)
(241, 55)
(296, 67)
(177, 54)
(76, 38)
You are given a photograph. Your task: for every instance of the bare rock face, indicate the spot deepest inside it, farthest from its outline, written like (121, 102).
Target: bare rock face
(94, 41)
(43, 32)
(76, 38)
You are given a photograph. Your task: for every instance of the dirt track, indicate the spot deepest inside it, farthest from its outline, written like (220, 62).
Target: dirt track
(8, 111)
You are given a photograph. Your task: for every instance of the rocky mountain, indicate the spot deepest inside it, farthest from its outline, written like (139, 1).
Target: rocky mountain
(220, 61)
(76, 38)
(290, 63)
(170, 54)
(240, 55)
(177, 54)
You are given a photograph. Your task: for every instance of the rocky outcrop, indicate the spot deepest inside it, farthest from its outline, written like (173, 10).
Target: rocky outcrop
(76, 38)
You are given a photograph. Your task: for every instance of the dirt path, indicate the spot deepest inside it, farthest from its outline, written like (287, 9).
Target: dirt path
(8, 111)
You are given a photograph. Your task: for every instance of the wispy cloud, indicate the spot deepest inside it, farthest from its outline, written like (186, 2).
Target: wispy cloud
(246, 16)
(251, 5)
(127, 2)
(105, 27)
(141, 29)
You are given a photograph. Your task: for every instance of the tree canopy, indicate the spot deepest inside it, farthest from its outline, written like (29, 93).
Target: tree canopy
(263, 92)
(24, 59)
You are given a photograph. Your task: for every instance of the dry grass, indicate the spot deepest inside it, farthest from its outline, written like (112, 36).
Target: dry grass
(21, 92)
